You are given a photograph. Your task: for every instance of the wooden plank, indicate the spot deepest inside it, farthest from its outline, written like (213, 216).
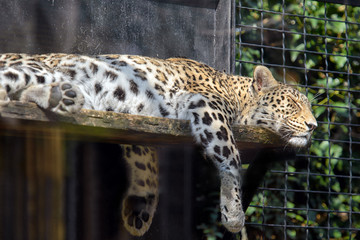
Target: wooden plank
(118, 127)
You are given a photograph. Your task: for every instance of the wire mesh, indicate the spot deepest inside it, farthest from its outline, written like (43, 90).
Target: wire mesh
(314, 46)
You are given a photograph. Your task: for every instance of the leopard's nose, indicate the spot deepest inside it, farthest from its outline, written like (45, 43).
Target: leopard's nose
(311, 125)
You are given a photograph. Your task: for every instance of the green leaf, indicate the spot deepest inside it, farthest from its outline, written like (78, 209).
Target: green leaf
(341, 108)
(295, 54)
(291, 169)
(336, 151)
(337, 234)
(318, 111)
(250, 210)
(336, 187)
(290, 204)
(338, 27)
(339, 61)
(310, 63)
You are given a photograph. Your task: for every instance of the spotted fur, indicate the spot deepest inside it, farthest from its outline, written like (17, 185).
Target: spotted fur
(141, 198)
(175, 88)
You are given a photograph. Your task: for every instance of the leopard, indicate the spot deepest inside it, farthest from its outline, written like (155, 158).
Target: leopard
(179, 88)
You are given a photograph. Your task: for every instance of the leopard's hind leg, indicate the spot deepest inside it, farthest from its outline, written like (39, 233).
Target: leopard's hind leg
(140, 201)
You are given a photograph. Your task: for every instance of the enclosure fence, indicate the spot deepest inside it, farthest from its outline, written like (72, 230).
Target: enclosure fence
(316, 47)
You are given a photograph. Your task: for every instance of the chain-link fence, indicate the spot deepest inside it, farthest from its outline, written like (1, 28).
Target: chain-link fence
(315, 46)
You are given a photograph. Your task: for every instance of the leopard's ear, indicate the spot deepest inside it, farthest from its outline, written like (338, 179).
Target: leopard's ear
(263, 78)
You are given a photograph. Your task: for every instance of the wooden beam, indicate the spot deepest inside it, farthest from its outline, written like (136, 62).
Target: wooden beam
(16, 117)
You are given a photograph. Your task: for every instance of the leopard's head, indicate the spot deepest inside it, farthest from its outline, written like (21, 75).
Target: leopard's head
(280, 108)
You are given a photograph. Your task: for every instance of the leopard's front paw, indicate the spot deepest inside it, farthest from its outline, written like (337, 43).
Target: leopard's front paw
(232, 214)
(232, 221)
(65, 98)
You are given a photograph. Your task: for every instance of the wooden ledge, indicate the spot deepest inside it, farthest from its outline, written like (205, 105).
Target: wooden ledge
(17, 117)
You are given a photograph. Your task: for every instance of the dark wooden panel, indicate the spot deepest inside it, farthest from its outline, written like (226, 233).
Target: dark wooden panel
(152, 28)
(198, 3)
(32, 186)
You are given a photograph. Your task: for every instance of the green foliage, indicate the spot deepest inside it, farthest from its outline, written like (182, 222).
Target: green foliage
(321, 60)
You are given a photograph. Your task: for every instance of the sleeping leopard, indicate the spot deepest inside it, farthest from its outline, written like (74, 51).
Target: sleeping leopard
(177, 88)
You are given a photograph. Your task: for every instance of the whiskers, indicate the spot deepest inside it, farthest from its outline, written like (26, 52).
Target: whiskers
(286, 134)
(318, 94)
(286, 137)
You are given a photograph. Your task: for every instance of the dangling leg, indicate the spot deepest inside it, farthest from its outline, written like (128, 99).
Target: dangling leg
(232, 215)
(211, 127)
(141, 199)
